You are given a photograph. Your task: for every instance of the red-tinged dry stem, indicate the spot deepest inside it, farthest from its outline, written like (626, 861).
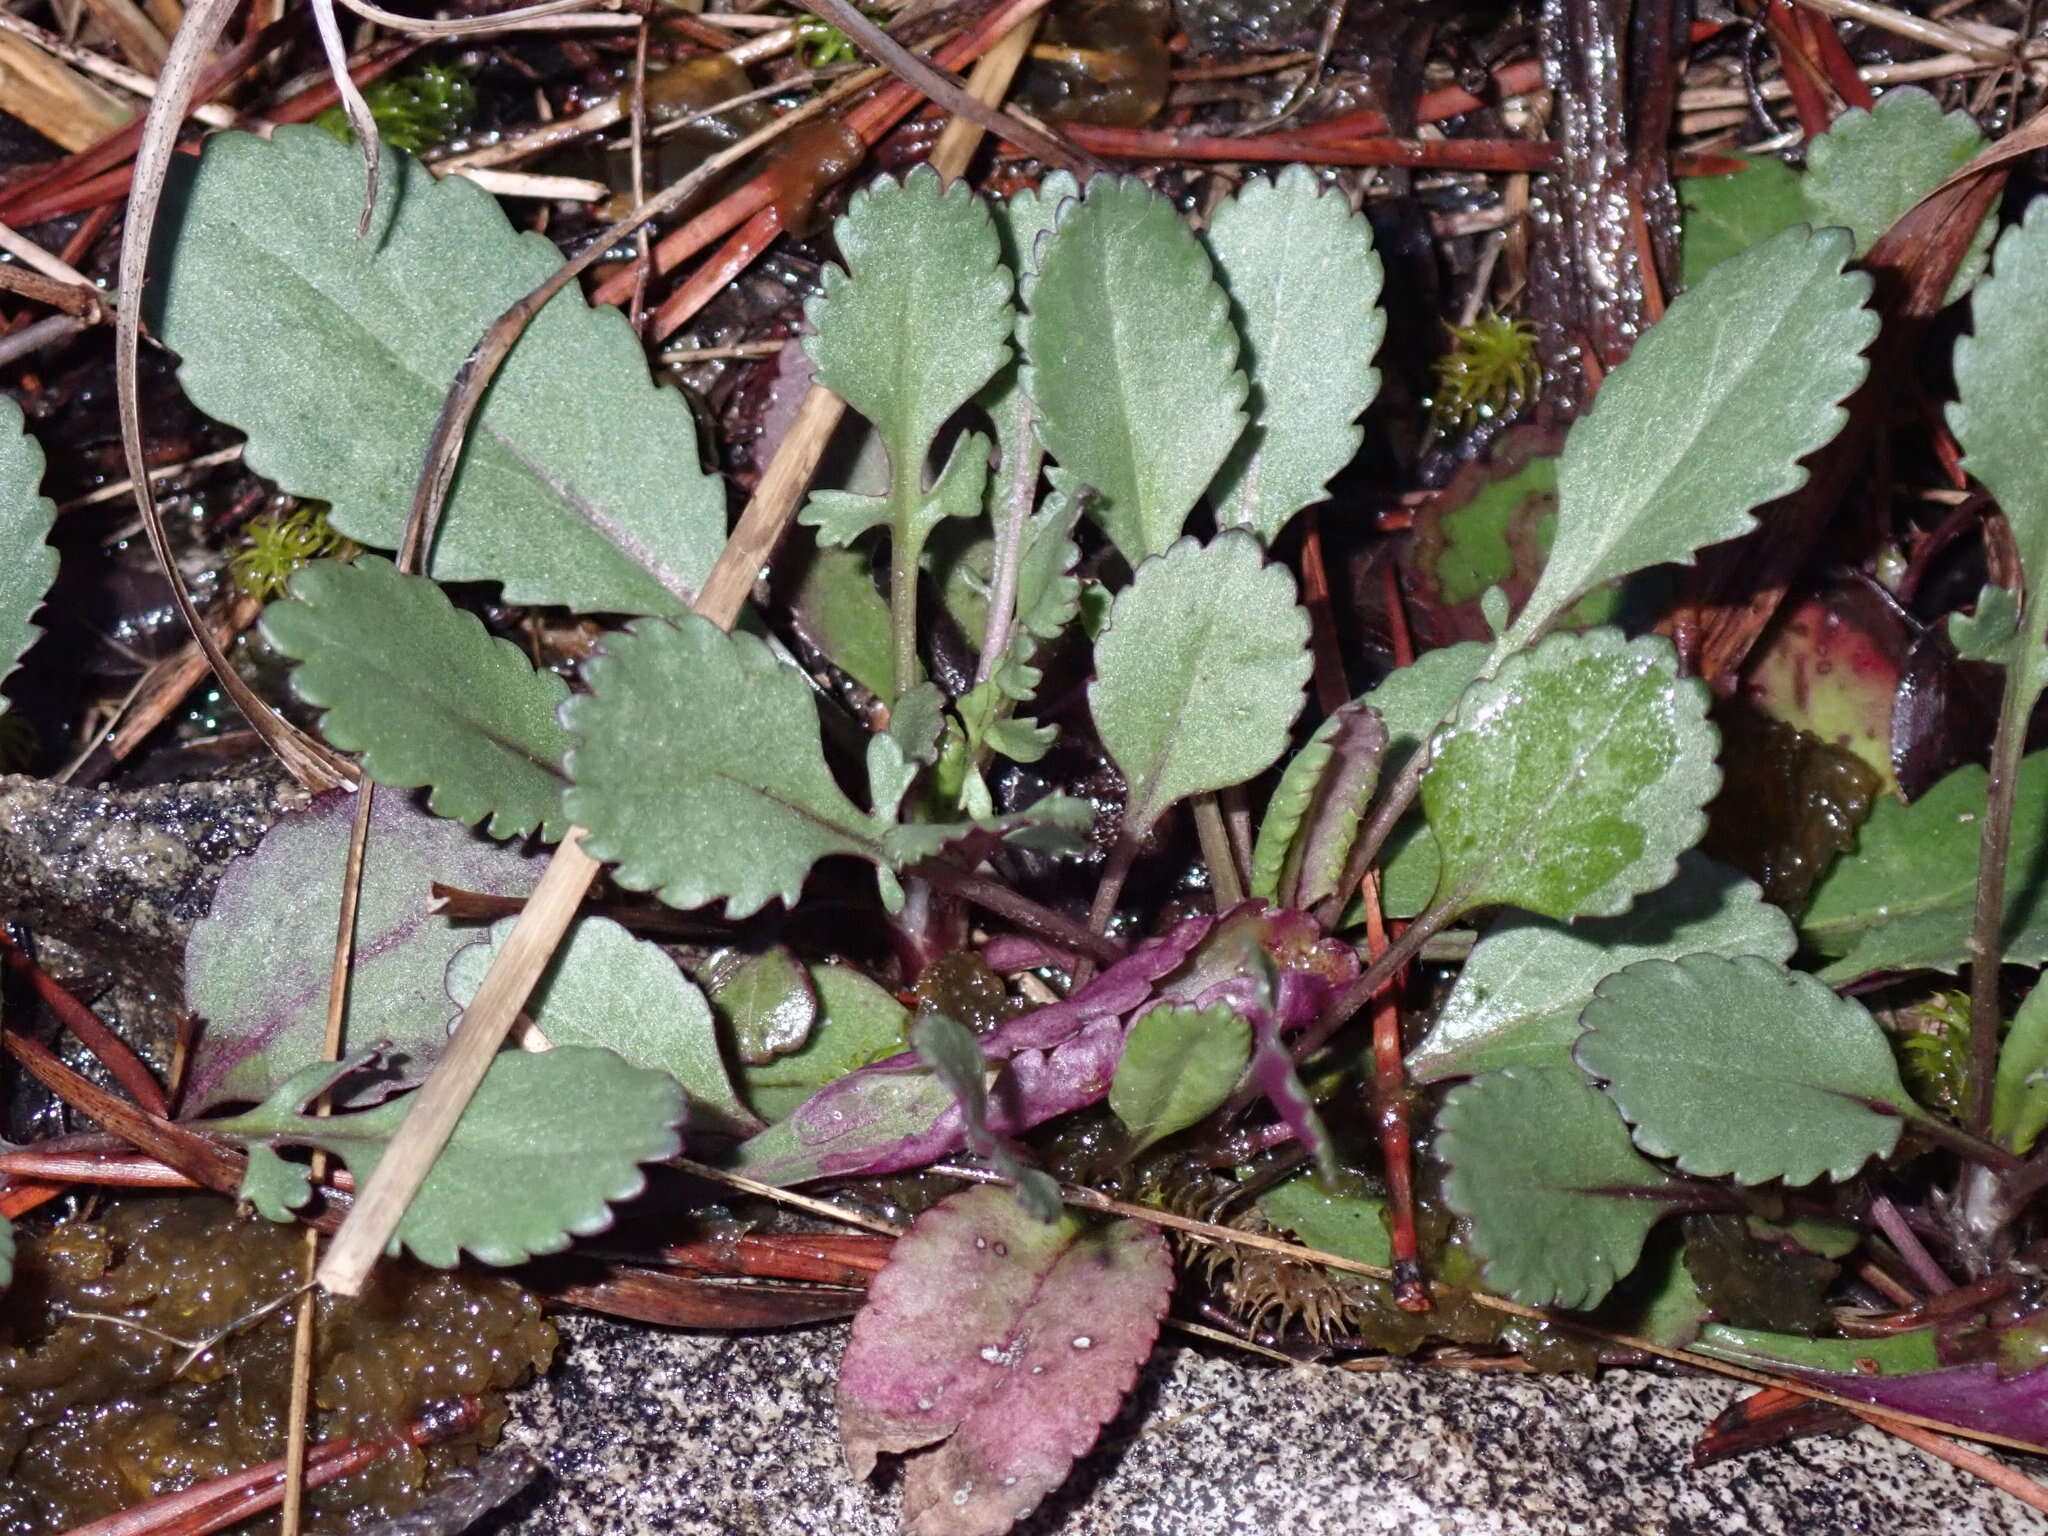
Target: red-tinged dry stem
(1333, 689)
(1390, 1115)
(1525, 155)
(112, 1052)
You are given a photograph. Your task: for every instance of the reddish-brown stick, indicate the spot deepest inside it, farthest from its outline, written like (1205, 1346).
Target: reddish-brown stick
(112, 1052)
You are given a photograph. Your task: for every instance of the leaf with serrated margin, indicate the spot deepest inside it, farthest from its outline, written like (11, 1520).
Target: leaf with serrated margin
(2000, 418)
(2019, 1100)
(953, 1053)
(1132, 361)
(606, 988)
(698, 770)
(26, 517)
(1542, 1167)
(859, 1023)
(257, 965)
(1200, 673)
(580, 483)
(1313, 814)
(1304, 282)
(427, 694)
(1520, 993)
(1178, 1065)
(1726, 215)
(1871, 166)
(993, 1348)
(550, 1141)
(1904, 900)
(1569, 783)
(1709, 417)
(1742, 1067)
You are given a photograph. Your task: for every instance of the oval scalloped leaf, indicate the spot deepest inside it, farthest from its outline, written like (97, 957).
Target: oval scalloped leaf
(1199, 674)
(1903, 901)
(606, 988)
(426, 693)
(1570, 782)
(1709, 417)
(1304, 282)
(257, 965)
(549, 1143)
(1559, 1199)
(26, 517)
(1178, 1065)
(1132, 362)
(993, 1348)
(1520, 992)
(580, 483)
(1742, 1067)
(697, 769)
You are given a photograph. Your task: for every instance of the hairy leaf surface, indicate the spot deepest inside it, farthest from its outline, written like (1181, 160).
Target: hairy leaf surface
(993, 1348)
(1132, 362)
(1742, 1067)
(953, 1052)
(1304, 282)
(580, 484)
(1570, 782)
(427, 694)
(1199, 674)
(26, 517)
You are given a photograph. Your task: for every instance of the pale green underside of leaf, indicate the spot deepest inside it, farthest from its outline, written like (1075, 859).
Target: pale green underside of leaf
(1903, 901)
(26, 516)
(426, 694)
(1741, 1067)
(1870, 167)
(698, 770)
(1559, 1199)
(580, 484)
(2019, 1102)
(919, 317)
(858, 1023)
(2001, 414)
(1708, 418)
(1726, 215)
(1178, 1065)
(547, 1145)
(606, 988)
(1200, 673)
(1304, 281)
(1519, 995)
(1570, 782)
(1132, 363)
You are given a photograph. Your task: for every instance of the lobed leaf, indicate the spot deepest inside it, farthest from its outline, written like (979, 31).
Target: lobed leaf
(1199, 674)
(993, 1348)
(1520, 993)
(549, 1142)
(1542, 1167)
(580, 483)
(606, 988)
(426, 694)
(1569, 783)
(1178, 1065)
(698, 770)
(1304, 281)
(2019, 1099)
(1742, 1067)
(276, 1187)
(257, 965)
(1132, 362)
(1904, 900)
(26, 517)
(1709, 417)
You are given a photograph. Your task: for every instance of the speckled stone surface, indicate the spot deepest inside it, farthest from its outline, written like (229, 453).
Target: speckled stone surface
(651, 1434)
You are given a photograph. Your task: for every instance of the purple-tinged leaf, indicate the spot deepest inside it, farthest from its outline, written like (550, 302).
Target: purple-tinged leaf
(1111, 995)
(953, 1053)
(1254, 998)
(993, 1348)
(256, 966)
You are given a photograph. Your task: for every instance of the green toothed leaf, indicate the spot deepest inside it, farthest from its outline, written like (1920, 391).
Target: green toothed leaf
(1303, 279)
(1199, 674)
(1352, 1226)
(580, 483)
(275, 1186)
(1132, 362)
(426, 694)
(1569, 783)
(1559, 1200)
(1178, 1065)
(1740, 1066)
(26, 517)
(699, 772)
(1726, 215)
(1708, 418)
(2019, 1102)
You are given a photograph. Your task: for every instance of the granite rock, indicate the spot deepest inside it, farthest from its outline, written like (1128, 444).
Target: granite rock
(689, 1435)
